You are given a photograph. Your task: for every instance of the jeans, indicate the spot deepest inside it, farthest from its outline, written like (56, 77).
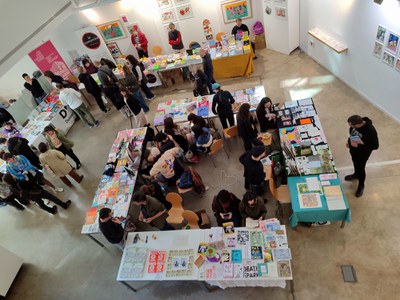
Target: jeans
(40, 99)
(146, 90)
(82, 112)
(141, 100)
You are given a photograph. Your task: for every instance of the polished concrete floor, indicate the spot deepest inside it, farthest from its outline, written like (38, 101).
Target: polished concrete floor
(60, 263)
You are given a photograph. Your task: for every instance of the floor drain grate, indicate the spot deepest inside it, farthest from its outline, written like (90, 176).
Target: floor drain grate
(349, 273)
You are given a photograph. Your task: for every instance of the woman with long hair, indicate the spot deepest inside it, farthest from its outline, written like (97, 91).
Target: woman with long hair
(265, 115)
(134, 106)
(133, 85)
(246, 127)
(137, 70)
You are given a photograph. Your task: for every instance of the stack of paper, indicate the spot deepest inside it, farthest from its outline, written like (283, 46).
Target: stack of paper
(334, 197)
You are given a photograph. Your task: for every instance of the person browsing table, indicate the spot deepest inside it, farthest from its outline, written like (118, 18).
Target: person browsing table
(222, 105)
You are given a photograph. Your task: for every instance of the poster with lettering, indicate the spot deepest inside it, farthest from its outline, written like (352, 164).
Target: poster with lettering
(46, 57)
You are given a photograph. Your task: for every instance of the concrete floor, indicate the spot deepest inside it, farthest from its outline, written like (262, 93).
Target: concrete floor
(60, 263)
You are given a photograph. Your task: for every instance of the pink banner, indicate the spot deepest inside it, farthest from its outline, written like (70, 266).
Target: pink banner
(46, 57)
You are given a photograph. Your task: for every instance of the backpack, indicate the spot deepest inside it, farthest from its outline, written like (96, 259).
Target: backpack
(198, 184)
(258, 28)
(185, 181)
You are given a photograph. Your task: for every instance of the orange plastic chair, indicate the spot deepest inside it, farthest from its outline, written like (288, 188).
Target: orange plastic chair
(216, 146)
(157, 50)
(219, 35)
(230, 133)
(192, 219)
(175, 213)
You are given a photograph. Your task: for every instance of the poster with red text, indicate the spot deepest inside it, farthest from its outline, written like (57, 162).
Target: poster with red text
(46, 57)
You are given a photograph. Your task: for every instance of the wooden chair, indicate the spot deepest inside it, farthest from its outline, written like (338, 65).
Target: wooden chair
(191, 218)
(281, 194)
(216, 146)
(230, 133)
(219, 35)
(175, 213)
(157, 50)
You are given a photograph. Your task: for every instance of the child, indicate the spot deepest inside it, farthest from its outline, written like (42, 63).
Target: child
(10, 131)
(56, 162)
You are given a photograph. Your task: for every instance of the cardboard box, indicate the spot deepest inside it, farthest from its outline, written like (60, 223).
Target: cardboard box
(260, 45)
(259, 38)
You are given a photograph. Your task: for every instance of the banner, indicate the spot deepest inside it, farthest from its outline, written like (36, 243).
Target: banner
(46, 57)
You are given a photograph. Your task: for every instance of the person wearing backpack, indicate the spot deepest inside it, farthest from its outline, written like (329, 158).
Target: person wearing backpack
(222, 105)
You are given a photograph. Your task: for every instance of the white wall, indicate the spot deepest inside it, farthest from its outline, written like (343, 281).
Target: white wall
(354, 23)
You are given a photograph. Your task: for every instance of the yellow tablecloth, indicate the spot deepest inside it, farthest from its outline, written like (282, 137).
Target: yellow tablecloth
(233, 66)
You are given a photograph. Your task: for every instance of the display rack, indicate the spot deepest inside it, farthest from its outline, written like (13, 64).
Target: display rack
(328, 40)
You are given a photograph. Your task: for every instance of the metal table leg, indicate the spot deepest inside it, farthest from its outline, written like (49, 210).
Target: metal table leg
(343, 223)
(292, 289)
(128, 286)
(94, 240)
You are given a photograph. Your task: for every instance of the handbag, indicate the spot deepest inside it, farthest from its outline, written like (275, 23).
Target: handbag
(185, 181)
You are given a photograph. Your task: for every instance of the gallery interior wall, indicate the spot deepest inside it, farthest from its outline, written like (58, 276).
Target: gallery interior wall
(354, 23)
(144, 12)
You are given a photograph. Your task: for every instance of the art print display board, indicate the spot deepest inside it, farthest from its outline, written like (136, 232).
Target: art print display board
(46, 57)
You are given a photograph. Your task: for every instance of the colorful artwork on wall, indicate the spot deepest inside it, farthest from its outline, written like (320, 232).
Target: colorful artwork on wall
(392, 43)
(112, 31)
(236, 9)
(378, 49)
(388, 58)
(114, 50)
(168, 16)
(180, 2)
(184, 12)
(164, 4)
(380, 34)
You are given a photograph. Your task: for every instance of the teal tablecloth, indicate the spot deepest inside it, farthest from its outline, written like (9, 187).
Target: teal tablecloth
(319, 214)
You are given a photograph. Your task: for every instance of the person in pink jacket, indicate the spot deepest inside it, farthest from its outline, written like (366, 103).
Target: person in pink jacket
(140, 42)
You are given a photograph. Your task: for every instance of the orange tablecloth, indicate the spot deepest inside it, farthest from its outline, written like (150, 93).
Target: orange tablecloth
(233, 66)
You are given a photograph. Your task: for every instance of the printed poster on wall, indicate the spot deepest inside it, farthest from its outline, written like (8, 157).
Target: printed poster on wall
(46, 57)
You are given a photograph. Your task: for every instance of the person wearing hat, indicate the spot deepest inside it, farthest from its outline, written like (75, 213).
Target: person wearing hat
(222, 105)
(139, 41)
(253, 169)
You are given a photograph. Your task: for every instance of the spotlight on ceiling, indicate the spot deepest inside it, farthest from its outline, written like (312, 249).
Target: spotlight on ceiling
(378, 1)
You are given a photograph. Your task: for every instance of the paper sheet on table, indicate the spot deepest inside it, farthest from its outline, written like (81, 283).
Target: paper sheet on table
(335, 202)
(180, 241)
(313, 184)
(251, 223)
(333, 190)
(312, 200)
(328, 176)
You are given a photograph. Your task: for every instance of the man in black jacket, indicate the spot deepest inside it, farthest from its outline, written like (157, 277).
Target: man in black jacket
(110, 226)
(17, 146)
(92, 88)
(254, 174)
(222, 105)
(34, 87)
(208, 68)
(362, 141)
(238, 30)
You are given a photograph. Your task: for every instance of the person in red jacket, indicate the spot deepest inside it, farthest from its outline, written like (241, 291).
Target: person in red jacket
(140, 42)
(175, 38)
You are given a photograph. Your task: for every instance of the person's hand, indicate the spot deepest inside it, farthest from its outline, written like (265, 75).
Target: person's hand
(148, 220)
(260, 218)
(141, 217)
(170, 137)
(354, 144)
(116, 220)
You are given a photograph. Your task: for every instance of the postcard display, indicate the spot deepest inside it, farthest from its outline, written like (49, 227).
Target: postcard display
(222, 256)
(229, 46)
(202, 105)
(115, 191)
(170, 62)
(303, 140)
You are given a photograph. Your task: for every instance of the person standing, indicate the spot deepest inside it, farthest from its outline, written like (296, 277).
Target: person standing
(222, 105)
(5, 116)
(175, 38)
(92, 88)
(35, 88)
(56, 162)
(199, 81)
(137, 70)
(208, 68)
(362, 141)
(246, 127)
(254, 174)
(238, 30)
(265, 115)
(8, 197)
(20, 146)
(57, 140)
(139, 41)
(73, 99)
(89, 66)
(134, 106)
(133, 85)
(111, 227)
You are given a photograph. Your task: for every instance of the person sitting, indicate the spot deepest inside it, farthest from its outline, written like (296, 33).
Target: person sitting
(252, 207)
(222, 105)
(134, 106)
(253, 169)
(182, 136)
(111, 227)
(21, 168)
(157, 190)
(196, 120)
(226, 208)
(30, 190)
(20, 146)
(56, 162)
(167, 168)
(246, 127)
(199, 81)
(202, 138)
(163, 143)
(10, 131)
(149, 211)
(8, 197)
(265, 115)
(56, 140)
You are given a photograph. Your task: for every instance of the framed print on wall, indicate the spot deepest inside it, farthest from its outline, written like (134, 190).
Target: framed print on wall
(397, 66)
(378, 50)
(168, 16)
(180, 2)
(280, 12)
(236, 9)
(393, 42)
(111, 31)
(164, 4)
(388, 58)
(380, 34)
(114, 50)
(184, 12)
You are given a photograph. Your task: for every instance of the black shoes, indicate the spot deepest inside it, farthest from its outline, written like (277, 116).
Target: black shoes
(350, 177)
(67, 204)
(360, 191)
(54, 210)
(78, 166)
